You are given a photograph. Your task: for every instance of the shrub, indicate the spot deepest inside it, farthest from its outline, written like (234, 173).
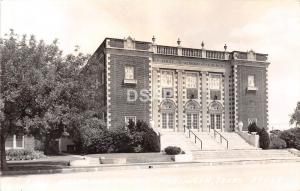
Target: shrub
(172, 150)
(94, 138)
(276, 142)
(112, 141)
(151, 142)
(144, 137)
(264, 139)
(291, 137)
(90, 133)
(23, 154)
(253, 128)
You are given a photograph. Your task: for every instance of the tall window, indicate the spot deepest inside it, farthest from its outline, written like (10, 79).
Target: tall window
(251, 82)
(167, 79)
(19, 140)
(191, 86)
(191, 81)
(215, 82)
(129, 72)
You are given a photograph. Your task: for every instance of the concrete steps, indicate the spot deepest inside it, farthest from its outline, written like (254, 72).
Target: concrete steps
(178, 139)
(209, 143)
(245, 154)
(235, 141)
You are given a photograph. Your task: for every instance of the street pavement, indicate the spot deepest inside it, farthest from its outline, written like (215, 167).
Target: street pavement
(265, 177)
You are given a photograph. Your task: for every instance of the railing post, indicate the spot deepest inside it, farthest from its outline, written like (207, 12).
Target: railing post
(189, 133)
(195, 139)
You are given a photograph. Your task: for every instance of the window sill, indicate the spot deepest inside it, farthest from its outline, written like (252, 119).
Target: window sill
(130, 81)
(252, 88)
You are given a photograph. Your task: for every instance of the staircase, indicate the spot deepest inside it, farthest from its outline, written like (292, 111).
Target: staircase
(244, 154)
(209, 143)
(236, 141)
(178, 139)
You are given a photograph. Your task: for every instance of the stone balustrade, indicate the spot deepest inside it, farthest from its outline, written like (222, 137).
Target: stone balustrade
(187, 52)
(167, 50)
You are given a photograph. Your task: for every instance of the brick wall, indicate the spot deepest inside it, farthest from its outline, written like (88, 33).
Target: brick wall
(252, 104)
(119, 107)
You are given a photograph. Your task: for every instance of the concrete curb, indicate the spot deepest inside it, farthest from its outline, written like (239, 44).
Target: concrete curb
(146, 166)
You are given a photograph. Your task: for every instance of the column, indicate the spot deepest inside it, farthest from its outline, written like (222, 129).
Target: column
(180, 101)
(154, 97)
(204, 104)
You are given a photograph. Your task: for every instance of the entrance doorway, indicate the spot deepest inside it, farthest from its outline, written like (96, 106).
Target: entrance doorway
(192, 109)
(167, 110)
(216, 111)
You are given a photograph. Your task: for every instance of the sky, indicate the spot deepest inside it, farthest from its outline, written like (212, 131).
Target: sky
(271, 27)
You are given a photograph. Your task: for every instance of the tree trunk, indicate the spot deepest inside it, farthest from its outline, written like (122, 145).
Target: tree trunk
(3, 165)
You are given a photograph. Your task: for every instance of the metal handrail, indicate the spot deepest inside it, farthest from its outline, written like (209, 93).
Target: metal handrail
(196, 137)
(221, 136)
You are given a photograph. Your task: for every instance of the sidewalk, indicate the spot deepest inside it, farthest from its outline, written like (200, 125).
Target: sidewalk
(109, 167)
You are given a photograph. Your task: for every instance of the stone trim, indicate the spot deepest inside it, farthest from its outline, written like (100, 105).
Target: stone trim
(150, 91)
(189, 67)
(235, 96)
(267, 100)
(108, 98)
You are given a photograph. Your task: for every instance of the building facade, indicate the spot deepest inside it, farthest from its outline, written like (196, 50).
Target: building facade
(174, 87)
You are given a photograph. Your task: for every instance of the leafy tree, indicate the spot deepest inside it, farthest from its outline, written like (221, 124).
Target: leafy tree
(40, 90)
(295, 117)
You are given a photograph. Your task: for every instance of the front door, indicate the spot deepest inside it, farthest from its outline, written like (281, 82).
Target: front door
(168, 121)
(192, 121)
(215, 121)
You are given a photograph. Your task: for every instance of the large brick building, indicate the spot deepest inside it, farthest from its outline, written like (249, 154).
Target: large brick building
(186, 87)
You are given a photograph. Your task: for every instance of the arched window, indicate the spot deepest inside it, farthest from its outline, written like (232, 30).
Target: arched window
(192, 109)
(167, 109)
(215, 110)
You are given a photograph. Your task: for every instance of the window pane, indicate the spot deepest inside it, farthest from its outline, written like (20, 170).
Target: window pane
(215, 82)
(189, 121)
(195, 121)
(212, 121)
(218, 121)
(251, 81)
(191, 81)
(171, 121)
(167, 79)
(129, 72)
(164, 120)
(19, 140)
